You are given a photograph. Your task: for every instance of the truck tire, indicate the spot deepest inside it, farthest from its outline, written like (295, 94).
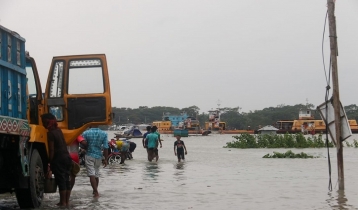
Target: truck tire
(33, 196)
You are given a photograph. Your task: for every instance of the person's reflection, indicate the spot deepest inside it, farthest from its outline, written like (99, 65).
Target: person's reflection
(151, 170)
(180, 166)
(179, 172)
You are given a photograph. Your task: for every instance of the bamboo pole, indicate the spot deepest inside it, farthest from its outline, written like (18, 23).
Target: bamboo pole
(336, 101)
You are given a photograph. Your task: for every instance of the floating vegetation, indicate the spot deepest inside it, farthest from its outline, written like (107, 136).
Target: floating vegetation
(288, 154)
(246, 141)
(348, 144)
(355, 143)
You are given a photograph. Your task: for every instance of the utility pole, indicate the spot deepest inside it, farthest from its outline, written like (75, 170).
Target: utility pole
(336, 101)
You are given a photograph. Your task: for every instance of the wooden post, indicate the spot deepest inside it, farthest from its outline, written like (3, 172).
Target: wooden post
(336, 101)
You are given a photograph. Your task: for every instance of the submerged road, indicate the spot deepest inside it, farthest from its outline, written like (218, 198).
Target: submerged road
(213, 177)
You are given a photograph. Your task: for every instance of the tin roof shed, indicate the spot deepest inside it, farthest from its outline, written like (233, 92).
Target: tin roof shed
(268, 129)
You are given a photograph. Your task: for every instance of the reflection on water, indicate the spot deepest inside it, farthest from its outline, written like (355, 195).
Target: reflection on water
(338, 200)
(179, 173)
(213, 177)
(179, 165)
(151, 170)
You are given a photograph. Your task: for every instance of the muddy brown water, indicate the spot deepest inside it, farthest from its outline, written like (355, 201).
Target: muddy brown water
(213, 177)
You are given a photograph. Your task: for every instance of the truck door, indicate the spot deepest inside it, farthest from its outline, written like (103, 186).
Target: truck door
(78, 93)
(34, 91)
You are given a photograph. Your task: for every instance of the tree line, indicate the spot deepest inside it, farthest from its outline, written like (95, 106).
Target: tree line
(232, 116)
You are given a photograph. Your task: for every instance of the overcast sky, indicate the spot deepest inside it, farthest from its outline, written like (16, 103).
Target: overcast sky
(252, 54)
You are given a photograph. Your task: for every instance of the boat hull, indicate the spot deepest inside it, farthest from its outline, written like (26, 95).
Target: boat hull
(172, 132)
(205, 132)
(316, 131)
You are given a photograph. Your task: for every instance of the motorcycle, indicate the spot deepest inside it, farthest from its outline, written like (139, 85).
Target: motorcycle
(117, 156)
(81, 156)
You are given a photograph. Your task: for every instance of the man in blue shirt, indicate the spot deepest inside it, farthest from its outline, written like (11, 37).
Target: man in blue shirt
(144, 140)
(152, 140)
(160, 142)
(96, 140)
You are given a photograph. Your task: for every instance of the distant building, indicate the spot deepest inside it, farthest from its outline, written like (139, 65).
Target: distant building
(269, 129)
(175, 119)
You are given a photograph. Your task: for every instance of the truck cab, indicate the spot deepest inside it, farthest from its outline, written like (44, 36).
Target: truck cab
(77, 92)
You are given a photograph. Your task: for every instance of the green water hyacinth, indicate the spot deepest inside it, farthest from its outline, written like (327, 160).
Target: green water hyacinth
(355, 143)
(298, 140)
(288, 154)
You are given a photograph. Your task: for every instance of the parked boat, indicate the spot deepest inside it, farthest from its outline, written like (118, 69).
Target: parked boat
(307, 124)
(112, 127)
(129, 131)
(133, 131)
(192, 125)
(163, 125)
(214, 124)
(120, 128)
(175, 119)
(182, 123)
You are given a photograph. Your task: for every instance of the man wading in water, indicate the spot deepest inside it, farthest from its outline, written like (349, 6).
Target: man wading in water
(144, 140)
(180, 146)
(96, 139)
(155, 131)
(152, 145)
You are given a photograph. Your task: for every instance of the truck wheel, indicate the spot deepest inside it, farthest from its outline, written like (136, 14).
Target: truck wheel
(32, 197)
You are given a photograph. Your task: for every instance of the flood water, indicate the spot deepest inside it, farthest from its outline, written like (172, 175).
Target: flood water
(213, 177)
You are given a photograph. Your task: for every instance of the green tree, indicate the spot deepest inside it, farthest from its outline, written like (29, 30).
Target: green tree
(192, 111)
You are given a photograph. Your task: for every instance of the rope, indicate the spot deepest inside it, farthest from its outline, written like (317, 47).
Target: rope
(328, 79)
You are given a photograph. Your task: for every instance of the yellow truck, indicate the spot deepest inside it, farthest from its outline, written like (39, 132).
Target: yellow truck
(77, 92)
